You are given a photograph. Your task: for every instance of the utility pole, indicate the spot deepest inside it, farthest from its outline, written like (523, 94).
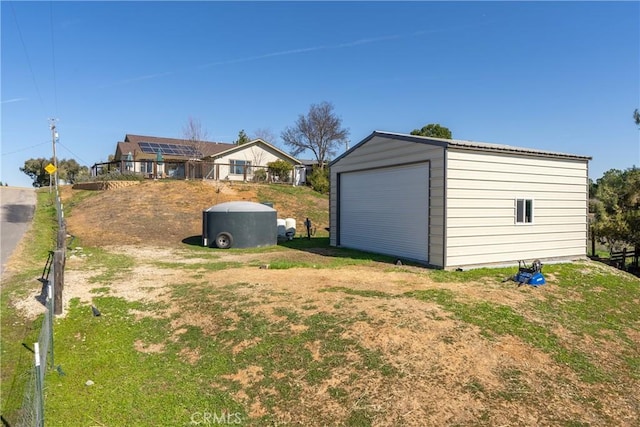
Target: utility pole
(54, 138)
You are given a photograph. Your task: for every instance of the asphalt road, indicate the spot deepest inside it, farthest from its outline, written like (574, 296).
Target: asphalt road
(16, 212)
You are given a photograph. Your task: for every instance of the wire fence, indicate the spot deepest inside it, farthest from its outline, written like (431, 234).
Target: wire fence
(32, 412)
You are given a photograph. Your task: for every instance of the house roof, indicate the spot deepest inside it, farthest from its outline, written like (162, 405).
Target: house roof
(463, 145)
(132, 142)
(235, 148)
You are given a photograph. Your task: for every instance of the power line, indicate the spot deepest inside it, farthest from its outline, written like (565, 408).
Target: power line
(24, 149)
(72, 153)
(24, 47)
(53, 61)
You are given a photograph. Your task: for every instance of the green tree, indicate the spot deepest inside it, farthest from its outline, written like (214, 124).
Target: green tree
(242, 138)
(617, 207)
(280, 169)
(593, 187)
(34, 168)
(433, 130)
(318, 179)
(68, 170)
(320, 132)
(71, 171)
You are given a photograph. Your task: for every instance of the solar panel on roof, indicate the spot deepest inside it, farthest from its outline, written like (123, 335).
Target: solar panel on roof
(172, 149)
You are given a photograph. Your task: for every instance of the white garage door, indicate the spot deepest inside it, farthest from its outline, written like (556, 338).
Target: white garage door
(386, 211)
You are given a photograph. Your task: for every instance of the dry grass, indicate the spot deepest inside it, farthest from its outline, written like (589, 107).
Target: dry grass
(167, 212)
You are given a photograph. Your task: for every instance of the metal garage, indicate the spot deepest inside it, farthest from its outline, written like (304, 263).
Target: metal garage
(458, 204)
(386, 209)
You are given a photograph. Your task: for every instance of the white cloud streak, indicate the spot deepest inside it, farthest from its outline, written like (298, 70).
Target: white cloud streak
(258, 57)
(138, 79)
(9, 101)
(353, 43)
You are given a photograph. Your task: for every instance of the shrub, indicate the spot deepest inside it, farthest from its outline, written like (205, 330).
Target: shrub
(318, 179)
(280, 170)
(259, 175)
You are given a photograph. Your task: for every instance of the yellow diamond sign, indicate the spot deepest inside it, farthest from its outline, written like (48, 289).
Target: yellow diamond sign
(50, 168)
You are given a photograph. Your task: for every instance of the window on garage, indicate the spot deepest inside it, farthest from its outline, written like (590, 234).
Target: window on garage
(524, 211)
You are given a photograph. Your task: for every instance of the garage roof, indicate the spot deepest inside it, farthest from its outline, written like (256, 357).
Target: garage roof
(463, 145)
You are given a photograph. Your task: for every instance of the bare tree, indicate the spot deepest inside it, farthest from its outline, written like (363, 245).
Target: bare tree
(195, 133)
(257, 155)
(264, 134)
(320, 132)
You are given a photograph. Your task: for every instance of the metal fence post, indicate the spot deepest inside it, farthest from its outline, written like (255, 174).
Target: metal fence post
(61, 236)
(50, 314)
(39, 389)
(58, 279)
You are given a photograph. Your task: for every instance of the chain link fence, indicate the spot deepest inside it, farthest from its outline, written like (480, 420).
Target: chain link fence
(32, 410)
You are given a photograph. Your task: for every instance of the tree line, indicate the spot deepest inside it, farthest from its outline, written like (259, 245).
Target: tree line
(614, 202)
(69, 171)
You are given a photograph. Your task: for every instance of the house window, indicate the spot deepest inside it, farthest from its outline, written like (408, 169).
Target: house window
(146, 167)
(236, 167)
(524, 211)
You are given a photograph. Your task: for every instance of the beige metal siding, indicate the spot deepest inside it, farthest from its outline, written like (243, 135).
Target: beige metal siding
(480, 213)
(381, 152)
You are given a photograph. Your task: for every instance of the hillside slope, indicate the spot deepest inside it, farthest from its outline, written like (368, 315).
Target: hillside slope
(167, 212)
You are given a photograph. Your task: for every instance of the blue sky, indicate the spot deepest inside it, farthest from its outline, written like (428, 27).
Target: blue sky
(561, 76)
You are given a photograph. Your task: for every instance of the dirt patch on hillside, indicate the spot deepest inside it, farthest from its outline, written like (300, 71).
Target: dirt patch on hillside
(152, 213)
(165, 212)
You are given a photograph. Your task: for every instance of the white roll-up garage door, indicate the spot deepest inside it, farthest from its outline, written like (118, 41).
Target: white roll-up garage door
(386, 211)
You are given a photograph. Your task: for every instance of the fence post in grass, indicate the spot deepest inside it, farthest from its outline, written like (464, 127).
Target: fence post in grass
(39, 389)
(593, 242)
(58, 279)
(62, 236)
(50, 309)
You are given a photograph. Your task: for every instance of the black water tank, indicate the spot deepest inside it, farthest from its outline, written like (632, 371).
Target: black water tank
(239, 225)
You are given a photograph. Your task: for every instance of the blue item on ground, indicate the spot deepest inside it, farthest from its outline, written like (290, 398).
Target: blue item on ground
(537, 280)
(530, 276)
